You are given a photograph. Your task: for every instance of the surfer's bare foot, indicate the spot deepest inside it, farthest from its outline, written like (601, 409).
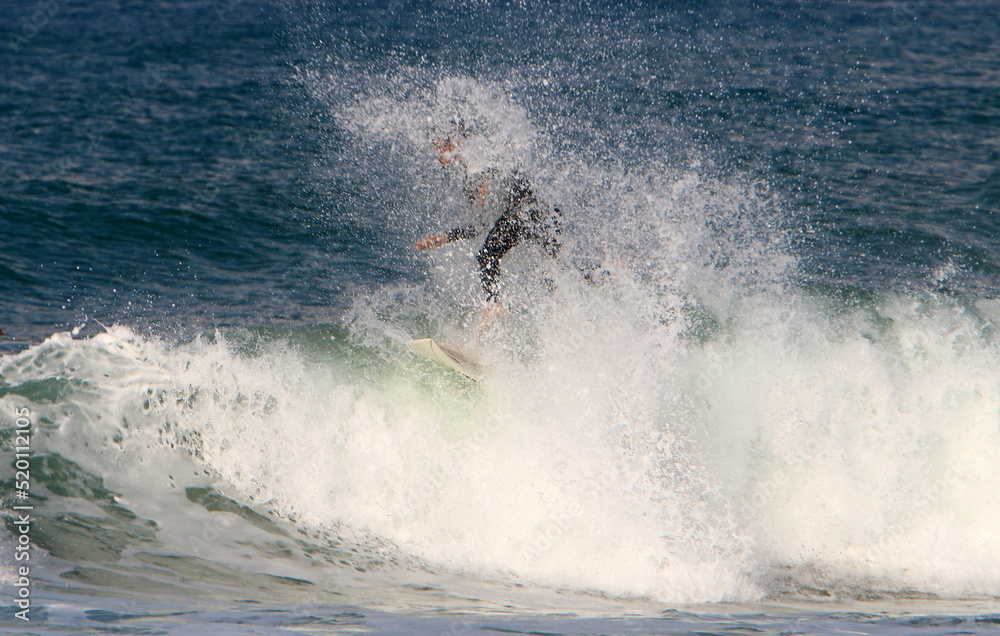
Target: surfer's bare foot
(614, 265)
(493, 309)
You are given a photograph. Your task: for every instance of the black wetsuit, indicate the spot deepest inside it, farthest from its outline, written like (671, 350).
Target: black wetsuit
(522, 218)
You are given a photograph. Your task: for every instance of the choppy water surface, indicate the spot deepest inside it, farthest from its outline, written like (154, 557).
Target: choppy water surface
(772, 403)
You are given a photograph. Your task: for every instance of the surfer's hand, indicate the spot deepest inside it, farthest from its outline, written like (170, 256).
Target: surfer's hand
(434, 240)
(493, 309)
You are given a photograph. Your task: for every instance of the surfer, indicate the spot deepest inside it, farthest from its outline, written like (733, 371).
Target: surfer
(506, 210)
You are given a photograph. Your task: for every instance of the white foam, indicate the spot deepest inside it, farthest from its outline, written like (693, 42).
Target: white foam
(682, 430)
(622, 458)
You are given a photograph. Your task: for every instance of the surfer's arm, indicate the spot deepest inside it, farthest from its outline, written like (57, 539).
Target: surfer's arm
(443, 238)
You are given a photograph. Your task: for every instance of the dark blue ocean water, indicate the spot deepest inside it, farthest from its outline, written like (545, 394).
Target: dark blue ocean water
(782, 405)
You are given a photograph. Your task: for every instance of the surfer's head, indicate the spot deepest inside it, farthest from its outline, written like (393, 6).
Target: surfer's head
(447, 139)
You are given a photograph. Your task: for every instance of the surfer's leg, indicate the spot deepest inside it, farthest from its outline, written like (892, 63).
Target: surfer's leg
(506, 233)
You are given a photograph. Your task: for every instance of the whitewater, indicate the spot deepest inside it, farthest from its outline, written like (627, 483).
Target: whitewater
(758, 390)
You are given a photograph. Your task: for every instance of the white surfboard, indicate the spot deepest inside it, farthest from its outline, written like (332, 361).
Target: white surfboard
(449, 357)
